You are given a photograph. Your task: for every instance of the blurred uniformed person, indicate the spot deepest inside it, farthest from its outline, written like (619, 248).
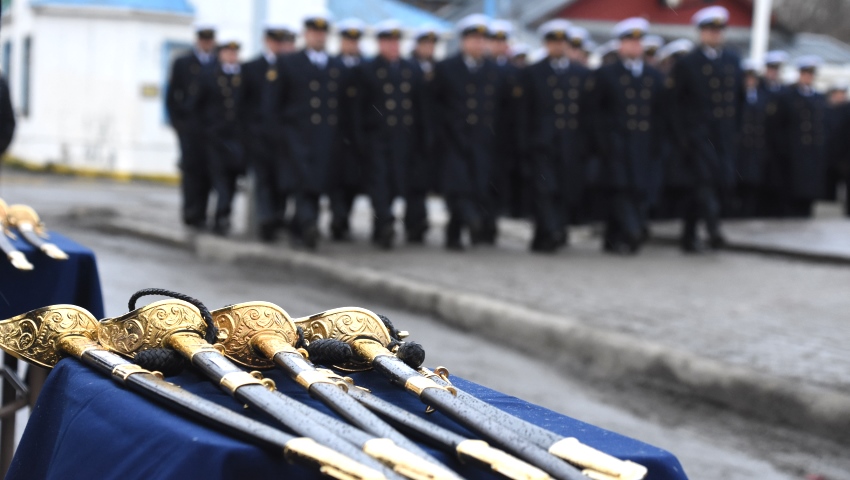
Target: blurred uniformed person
(220, 105)
(836, 99)
(392, 96)
(7, 117)
(752, 144)
(425, 181)
(708, 99)
(181, 103)
(346, 178)
(799, 130)
(578, 38)
(773, 62)
(678, 175)
(509, 183)
(467, 93)
(608, 51)
(310, 88)
(627, 106)
(519, 55)
(273, 176)
(651, 45)
(557, 132)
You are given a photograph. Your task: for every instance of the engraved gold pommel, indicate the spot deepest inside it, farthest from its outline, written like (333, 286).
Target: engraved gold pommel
(245, 327)
(20, 215)
(597, 465)
(346, 324)
(499, 461)
(330, 462)
(151, 326)
(40, 336)
(403, 462)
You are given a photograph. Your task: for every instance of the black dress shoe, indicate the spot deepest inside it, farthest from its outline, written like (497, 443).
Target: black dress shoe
(268, 232)
(310, 238)
(691, 245)
(385, 237)
(544, 244)
(454, 245)
(221, 227)
(340, 233)
(717, 241)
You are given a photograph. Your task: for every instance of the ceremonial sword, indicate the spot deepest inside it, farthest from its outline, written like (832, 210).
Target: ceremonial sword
(44, 336)
(15, 256)
(248, 328)
(178, 325)
(32, 229)
(367, 335)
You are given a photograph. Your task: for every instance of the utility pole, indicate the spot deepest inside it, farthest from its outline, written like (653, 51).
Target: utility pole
(761, 29)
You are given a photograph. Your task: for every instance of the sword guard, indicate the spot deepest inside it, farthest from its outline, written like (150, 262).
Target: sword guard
(35, 336)
(347, 325)
(151, 326)
(242, 327)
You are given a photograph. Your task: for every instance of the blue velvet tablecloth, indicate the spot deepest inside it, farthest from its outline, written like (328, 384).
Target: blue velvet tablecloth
(86, 426)
(51, 282)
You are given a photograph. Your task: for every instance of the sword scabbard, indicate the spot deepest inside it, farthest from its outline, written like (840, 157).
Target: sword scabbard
(329, 462)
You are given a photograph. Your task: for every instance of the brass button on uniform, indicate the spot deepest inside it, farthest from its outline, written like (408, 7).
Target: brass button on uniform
(714, 83)
(551, 80)
(645, 94)
(315, 102)
(729, 96)
(314, 85)
(392, 120)
(648, 81)
(630, 93)
(471, 103)
(236, 81)
(807, 139)
(332, 103)
(351, 92)
(406, 104)
(730, 81)
(470, 89)
(643, 126)
(573, 94)
(560, 108)
(730, 111)
(631, 124)
(388, 88)
(706, 69)
(228, 102)
(334, 72)
(472, 119)
(806, 126)
(645, 110)
(316, 119)
(408, 120)
(632, 109)
(716, 97)
(405, 87)
(560, 123)
(381, 73)
(573, 108)
(718, 112)
(332, 119)
(489, 89)
(625, 80)
(406, 73)
(390, 104)
(332, 86)
(557, 94)
(222, 81)
(271, 75)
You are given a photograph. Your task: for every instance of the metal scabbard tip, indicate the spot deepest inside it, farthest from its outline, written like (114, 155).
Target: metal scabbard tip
(19, 261)
(54, 252)
(499, 461)
(330, 462)
(404, 462)
(596, 464)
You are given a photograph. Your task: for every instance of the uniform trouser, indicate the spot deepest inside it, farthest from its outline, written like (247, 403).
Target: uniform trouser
(416, 211)
(748, 201)
(225, 171)
(551, 216)
(195, 181)
(341, 202)
(269, 196)
(703, 203)
(306, 211)
(464, 211)
(797, 207)
(625, 218)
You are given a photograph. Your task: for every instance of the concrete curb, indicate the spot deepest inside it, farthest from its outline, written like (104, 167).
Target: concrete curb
(769, 250)
(571, 345)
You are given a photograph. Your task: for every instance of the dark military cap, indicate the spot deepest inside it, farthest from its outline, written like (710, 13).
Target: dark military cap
(317, 22)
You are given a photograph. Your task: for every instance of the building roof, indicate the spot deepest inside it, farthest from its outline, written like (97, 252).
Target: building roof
(164, 6)
(374, 11)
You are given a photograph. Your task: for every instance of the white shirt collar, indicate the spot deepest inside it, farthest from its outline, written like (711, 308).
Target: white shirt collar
(203, 56)
(471, 63)
(271, 58)
(319, 59)
(712, 53)
(351, 60)
(231, 68)
(559, 64)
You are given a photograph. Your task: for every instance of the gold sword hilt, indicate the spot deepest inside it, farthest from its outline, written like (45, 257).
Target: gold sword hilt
(16, 257)
(46, 335)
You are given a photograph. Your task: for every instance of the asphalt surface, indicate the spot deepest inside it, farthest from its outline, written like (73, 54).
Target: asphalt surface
(711, 442)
